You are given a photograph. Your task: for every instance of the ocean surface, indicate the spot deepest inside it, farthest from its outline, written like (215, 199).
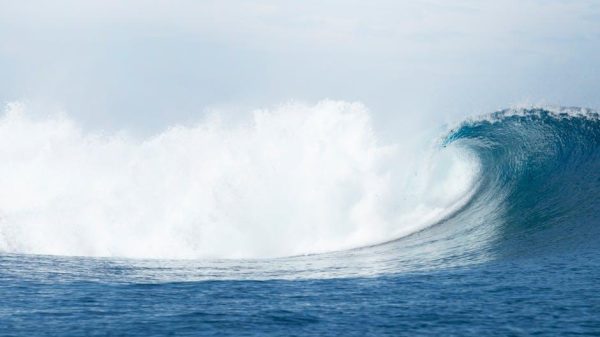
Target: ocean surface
(514, 252)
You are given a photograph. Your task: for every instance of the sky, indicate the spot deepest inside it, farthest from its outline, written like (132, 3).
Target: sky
(146, 65)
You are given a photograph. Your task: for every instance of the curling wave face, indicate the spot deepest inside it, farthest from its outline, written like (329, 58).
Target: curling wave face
(295, 180)
(541, 168)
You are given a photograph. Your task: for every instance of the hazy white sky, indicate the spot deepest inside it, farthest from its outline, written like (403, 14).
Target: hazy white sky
(144, 65)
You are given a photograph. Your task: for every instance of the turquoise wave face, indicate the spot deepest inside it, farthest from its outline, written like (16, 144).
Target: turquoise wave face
(542, 170)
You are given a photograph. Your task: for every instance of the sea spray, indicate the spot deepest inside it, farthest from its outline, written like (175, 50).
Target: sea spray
(293, 180)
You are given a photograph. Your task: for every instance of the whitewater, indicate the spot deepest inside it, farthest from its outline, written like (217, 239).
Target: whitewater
(297, 179)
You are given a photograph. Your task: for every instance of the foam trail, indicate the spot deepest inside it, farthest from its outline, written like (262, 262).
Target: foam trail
(294, 180)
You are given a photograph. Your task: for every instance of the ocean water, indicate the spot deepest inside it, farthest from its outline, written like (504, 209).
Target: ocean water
(493, 230)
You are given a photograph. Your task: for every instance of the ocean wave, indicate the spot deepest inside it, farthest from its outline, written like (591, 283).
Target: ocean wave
(511, 184)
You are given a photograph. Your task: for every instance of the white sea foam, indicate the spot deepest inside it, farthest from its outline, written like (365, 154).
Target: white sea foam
(293, 180)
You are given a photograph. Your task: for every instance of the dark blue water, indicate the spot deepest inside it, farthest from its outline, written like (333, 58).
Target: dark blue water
(521, 258)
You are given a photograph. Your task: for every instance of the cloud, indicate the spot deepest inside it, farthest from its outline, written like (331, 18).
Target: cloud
(149, 63)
